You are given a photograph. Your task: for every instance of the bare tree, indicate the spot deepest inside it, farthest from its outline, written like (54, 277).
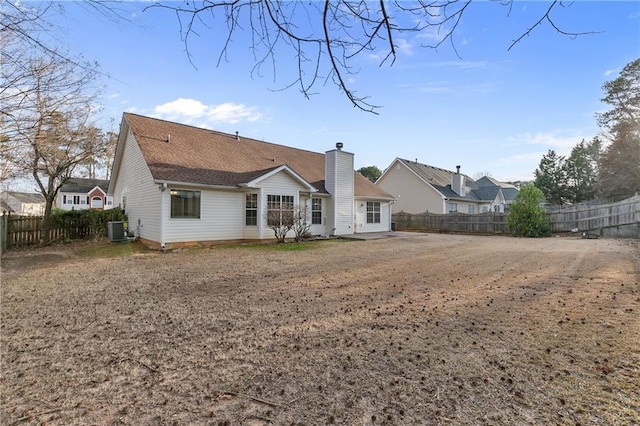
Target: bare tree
(98, 163)
(327, 37)
(280, 222)
(301, 223)
(49, 131)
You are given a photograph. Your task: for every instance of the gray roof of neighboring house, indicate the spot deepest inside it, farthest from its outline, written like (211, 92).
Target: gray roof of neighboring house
(440, 179)
(510, 194)
(486, 193)
(83, 186)
(508, 190)
(27, 197)
(484, 189)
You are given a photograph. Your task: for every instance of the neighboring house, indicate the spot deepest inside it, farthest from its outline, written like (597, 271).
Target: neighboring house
(22, 203)
(83, 194)
(419, 188)
(509, 191)
(180, 184)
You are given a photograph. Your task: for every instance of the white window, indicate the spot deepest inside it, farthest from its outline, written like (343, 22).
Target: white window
(96, 203)
(185, 204)
(472, 209)
(279, 209)
(496, 209)
(316, 211)
(452, 207)
(251, 209)
(373, 212)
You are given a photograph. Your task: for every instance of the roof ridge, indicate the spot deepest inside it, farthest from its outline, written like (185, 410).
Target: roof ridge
(426, 165)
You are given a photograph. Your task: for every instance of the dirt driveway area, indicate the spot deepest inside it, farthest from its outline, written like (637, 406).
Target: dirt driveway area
(418, 329)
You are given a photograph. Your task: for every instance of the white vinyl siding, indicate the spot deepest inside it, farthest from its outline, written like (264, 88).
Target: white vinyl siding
(72, 201)
(412, 194)
(361, 217)
(221, 218)
(339, 183)
(135, 183)
(278, 184)
(321, 228)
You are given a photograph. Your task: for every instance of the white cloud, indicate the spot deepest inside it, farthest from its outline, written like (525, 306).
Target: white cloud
(561, 144)
(190, 111)
(404, 46)
(464, 65)
(608, 73)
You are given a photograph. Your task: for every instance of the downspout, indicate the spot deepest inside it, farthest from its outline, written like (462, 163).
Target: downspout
(162, 188)
(261, 215)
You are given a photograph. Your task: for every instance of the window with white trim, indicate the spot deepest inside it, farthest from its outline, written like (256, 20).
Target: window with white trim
(96, 203)
(251, 209)
(471, 209)
(452, 207)
(279, 209)
(373, 212)
(316, 211)
(185, 204)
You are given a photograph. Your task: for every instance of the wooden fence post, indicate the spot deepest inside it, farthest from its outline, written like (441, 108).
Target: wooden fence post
(3, 232)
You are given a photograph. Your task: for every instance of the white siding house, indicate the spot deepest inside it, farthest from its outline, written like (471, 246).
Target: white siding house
(419, 188)
(182, 185)
(84, 194)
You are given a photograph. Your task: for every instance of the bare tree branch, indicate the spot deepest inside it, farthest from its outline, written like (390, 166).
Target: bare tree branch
(547, 17)
(328, 38)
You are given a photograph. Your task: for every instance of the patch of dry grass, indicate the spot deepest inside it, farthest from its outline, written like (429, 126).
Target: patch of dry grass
(427, 329)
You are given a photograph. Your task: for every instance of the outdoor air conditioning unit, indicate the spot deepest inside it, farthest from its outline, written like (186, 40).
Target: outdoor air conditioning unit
(116, 231)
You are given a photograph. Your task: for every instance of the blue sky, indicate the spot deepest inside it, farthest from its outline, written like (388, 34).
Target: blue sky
(491, 110)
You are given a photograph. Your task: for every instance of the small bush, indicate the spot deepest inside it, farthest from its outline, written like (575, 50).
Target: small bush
(527, 217)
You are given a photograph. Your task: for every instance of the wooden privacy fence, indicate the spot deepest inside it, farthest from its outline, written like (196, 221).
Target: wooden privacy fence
(482, 223)
(621, 219)
(26, 230)
(614, 219)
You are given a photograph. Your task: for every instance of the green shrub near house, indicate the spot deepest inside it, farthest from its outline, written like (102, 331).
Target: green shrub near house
(527, 217)
(86, 223)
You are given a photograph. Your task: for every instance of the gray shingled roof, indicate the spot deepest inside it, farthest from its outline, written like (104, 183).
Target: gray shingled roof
(180, 153)
(83, 186)
(440, 179)
(484, 189)
(27, 197)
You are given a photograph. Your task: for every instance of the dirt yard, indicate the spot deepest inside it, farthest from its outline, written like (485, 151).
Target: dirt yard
(422, 329)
